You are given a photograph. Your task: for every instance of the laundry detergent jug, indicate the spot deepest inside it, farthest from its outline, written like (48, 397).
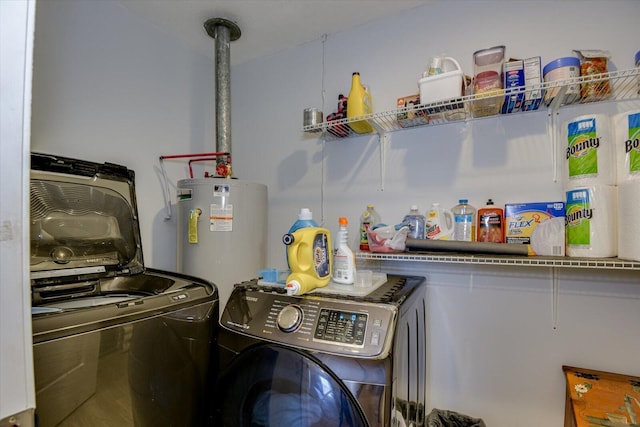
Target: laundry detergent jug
(310, 257)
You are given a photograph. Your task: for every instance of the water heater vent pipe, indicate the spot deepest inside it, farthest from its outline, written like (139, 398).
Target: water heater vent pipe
(223, 31)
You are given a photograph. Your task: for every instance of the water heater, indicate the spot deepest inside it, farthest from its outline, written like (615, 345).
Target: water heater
(222, 230)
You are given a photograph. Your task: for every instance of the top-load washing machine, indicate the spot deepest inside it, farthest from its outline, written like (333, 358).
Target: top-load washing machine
(114, 343)
(327, 358)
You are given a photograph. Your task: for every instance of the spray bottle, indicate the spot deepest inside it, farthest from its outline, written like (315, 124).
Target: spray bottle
(344, 261)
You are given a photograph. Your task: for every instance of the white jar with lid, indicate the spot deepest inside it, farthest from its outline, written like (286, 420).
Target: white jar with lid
(562, 69)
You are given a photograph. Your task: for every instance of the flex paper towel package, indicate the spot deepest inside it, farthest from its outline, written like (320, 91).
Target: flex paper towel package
(591, 222)
(539, 225)
(589, 155)
(626, 127)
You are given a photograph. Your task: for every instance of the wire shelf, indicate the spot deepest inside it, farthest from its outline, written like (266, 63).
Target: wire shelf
(504, 260)
(611, 86)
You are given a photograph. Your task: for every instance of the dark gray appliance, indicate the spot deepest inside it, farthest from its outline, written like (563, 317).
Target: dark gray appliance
(324, 359)
(114, 343)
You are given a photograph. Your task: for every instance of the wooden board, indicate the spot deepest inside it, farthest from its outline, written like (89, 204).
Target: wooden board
(596, 398)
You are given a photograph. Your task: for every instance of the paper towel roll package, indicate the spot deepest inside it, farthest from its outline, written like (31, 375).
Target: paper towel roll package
(589, 156)
(626, 131)
(591, 221)
(629, 220)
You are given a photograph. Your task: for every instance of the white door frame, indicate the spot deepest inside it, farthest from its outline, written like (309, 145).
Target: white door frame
(17, 388)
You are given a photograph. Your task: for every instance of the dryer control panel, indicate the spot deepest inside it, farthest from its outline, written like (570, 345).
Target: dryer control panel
(319, 323)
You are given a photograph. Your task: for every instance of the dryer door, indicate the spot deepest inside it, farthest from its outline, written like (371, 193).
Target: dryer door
(270, 385)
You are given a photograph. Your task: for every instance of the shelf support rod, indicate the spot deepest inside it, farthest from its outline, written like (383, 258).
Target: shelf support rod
(554, 129)
(554, 297)
(384, 143)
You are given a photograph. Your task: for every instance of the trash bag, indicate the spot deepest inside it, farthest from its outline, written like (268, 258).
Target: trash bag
(444, 418)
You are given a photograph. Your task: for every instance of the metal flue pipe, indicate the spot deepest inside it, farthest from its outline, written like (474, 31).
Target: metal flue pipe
(223, 31)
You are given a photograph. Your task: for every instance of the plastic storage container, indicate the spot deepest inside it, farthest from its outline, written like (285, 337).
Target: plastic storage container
(344, 261)
(490, 226)
(562, 69)
(368, 219)
(464, 216)
(488, 67)
(415, 220)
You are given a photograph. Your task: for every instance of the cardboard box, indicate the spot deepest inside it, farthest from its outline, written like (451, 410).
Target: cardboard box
(532, 78)
(412, 116)
(513, 85)
(539, 225)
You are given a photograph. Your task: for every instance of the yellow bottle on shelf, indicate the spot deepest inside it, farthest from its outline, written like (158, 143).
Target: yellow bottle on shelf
(359, 104)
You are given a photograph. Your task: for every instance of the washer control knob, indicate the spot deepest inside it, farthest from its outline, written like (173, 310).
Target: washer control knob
(289, 318)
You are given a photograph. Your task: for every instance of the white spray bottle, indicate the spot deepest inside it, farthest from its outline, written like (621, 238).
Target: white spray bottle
(344, 261)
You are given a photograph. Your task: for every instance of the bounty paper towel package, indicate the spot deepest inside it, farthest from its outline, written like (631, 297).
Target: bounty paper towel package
(591, 221)
(626, 130)
(539, 225)
(589, 155)
(628, 221)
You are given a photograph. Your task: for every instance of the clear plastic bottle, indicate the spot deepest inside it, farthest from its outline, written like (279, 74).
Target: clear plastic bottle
(305, 219)
(416, 223)
(344, 261)
(464, 216)
(368, 219)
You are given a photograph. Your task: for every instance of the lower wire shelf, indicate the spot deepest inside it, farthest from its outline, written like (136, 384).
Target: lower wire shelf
(509, 260)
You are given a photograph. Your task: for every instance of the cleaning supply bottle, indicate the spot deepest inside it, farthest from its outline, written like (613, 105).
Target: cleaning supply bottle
(438, 223)
(310, 259)
(305, 219)
(415, 220)
(368, 219)
(464, 216)
(344, 261)
(490, 226)
(359, 104)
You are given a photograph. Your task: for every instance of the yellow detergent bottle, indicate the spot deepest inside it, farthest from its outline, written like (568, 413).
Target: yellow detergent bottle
(359, 104)
(310, 259)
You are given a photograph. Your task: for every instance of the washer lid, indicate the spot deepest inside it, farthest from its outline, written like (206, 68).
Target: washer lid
(84, 219)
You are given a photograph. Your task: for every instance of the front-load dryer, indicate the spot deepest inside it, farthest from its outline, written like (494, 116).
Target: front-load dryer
(326, 358)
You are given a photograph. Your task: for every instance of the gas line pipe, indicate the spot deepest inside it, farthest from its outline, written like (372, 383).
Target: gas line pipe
(223, 169)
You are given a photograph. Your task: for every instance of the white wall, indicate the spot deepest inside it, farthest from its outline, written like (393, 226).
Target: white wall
(115, 89)
(110, 88)
(17, 389)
